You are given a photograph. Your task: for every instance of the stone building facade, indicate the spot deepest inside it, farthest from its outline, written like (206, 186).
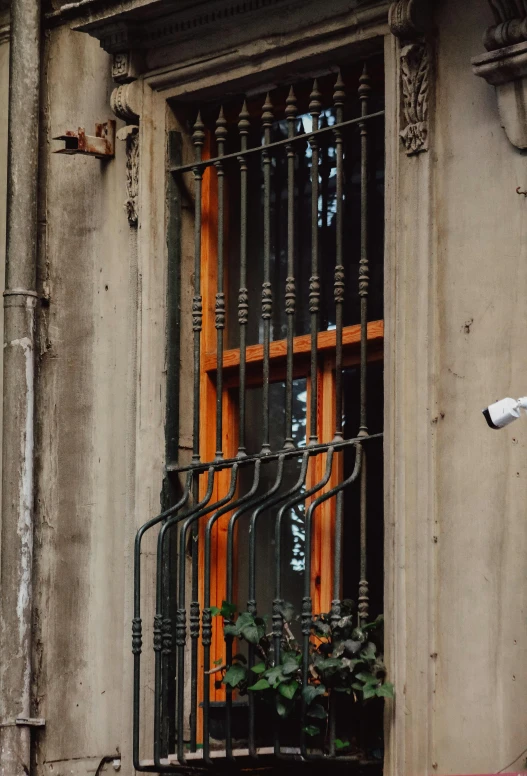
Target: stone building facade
(110, 401)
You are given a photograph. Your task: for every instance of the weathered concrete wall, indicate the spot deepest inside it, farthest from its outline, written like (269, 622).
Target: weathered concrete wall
(81, 540)
(4, 88)
(480, 703)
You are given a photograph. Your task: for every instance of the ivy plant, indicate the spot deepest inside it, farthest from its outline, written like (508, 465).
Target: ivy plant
(343, 659)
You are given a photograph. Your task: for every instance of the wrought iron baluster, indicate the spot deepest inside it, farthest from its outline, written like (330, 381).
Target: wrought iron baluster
(290, 289)
(137, 630)
(237, 505)
(221, 135)
(267, 503)
(243, 293)
(364, 95)
(161, 626)
(198, 139)
(315, 106)
(267, 293)
(339, 277)
(307, 606)
(190, 519)
(278, 621)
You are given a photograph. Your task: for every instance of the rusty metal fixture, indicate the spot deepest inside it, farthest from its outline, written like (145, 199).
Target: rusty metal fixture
(101, 145)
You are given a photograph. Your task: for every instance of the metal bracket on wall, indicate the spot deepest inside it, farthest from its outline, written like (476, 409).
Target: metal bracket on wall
(102, 145)
(24, 722)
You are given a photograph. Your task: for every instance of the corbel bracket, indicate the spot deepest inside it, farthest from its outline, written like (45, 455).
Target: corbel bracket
(410, 21)
(505, 67)
(101, 145)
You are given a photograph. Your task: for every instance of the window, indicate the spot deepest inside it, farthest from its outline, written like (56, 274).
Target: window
(280, 520)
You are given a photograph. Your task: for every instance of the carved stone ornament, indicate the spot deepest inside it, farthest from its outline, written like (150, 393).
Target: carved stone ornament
(409, 20)
(126, 66)
(415, 66)
(505, 66)
(125, 103)
(132, 175)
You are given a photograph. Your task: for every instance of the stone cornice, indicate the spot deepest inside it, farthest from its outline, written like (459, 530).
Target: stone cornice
(143, 24)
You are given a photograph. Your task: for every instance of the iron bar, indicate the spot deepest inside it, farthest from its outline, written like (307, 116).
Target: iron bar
(291, 111)
(226, 506)
(307, 605)
(322, 447)
(267, 293)
(269, 501)
(243, 293)
(221, 135)
(278, 621)
(339, 277)
(236, 505)
(364, 94)
(137, 626)
(198, 139)
(315, 106)
(181, 625)
(276, 144)
(160, 624)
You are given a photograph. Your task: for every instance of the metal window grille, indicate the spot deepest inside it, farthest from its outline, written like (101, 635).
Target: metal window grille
(180, 733)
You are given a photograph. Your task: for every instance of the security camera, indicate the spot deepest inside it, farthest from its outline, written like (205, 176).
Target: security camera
(503, 412)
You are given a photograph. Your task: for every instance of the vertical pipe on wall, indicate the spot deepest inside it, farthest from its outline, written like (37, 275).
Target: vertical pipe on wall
(18, 399)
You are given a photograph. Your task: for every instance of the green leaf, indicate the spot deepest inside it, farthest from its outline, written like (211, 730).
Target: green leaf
(288, 690)
(330, 662)
(369, 651)
(367, 678)
(218, 662)
(290, 666)
(377, 623)
(318, 711)
(385, 690)
(283, 707)
(339, 744)
(227, 610)
(252, 633)
(310, 692)
(274, 676)
(311, 730)
(215, 611)
(369, 691)
(235, 675)
(259, 668)
(231, 630)
(351, 647)
(261, 684)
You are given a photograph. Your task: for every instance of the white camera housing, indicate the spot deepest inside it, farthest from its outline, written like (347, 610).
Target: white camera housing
(503, 412)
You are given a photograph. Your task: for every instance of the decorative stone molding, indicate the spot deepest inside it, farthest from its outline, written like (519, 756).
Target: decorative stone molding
(132, 174)
(125, 102)
(123, 35)
(415, 72)
(409, 21)
(505, 66)
(511, 24)
(127, 66)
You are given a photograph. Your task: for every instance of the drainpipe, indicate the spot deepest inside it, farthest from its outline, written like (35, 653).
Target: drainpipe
(18, 391)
